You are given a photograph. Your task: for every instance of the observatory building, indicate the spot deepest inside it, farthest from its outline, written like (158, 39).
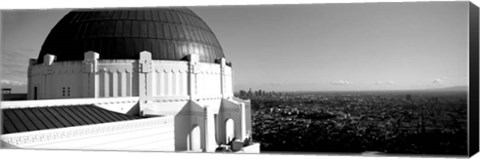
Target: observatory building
(149, 79)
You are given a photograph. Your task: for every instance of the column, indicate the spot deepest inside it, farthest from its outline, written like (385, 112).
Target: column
(123, 84)
(162, 83)
(106, 83)
(180, 83)
(170, 83)
(207, 145)
(242, 122)
(114, 83)
(128, 82)
(159, 83)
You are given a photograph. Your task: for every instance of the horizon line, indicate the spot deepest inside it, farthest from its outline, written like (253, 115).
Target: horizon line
(372, 90)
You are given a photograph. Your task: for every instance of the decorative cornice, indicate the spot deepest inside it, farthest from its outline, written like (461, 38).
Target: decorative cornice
(173, 99)
(65, 102)
(210, 98)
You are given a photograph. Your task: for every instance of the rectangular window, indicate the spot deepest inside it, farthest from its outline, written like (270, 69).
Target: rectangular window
(35, 93)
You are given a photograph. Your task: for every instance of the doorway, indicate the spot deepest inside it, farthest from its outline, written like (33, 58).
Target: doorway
(35, 93)
(194, 139)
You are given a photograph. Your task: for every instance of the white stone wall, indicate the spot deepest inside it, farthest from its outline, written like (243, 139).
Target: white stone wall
(170, 78)
(229, 82)
(93, 78)
(152, 134)
(209, 80)
(209, 114)
(117, 78)
(62, 80)
(194, 93)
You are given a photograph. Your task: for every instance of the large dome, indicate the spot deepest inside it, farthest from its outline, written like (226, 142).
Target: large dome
(168, 33)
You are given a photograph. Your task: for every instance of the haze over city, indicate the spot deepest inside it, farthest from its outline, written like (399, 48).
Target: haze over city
(322, 47)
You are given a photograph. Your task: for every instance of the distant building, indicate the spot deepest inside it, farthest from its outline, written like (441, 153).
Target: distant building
(6, 90)
(136, 79)
(8, 95)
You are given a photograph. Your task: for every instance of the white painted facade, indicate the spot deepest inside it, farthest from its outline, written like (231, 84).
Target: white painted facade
(194, 100)
(94, 78)
(186, 126)
(151, 134)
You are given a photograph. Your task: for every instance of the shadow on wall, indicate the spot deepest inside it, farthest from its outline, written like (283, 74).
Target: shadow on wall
(228, 112)
(135, 110)
(232, 109)
(189, 116)
(5, 145)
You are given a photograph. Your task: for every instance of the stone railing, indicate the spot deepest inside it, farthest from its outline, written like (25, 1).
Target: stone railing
(42, 136)
(66, 102)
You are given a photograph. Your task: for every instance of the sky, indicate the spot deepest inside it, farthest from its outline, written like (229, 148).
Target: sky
(319, 47)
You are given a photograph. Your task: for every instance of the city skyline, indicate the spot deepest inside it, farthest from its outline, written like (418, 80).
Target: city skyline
(376, 46)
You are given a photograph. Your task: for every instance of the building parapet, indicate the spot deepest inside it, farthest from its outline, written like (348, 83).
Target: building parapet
(44, 136)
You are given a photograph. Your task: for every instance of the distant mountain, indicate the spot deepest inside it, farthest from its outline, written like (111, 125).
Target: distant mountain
(443, 89)
(454, 88)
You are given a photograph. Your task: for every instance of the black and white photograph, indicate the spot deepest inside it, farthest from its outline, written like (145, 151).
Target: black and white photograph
(356, 79)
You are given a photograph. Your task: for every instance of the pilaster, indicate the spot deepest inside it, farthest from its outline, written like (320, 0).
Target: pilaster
(145, 79)
(144, 70)
(223, 80)
(106, 82)
(89, 70)
(243, 124)
(192, 75)
(170, 85)
(123, 83)
(129, 79)
(114, 76)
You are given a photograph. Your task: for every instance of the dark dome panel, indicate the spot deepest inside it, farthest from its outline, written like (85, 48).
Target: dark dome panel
(168, 33)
